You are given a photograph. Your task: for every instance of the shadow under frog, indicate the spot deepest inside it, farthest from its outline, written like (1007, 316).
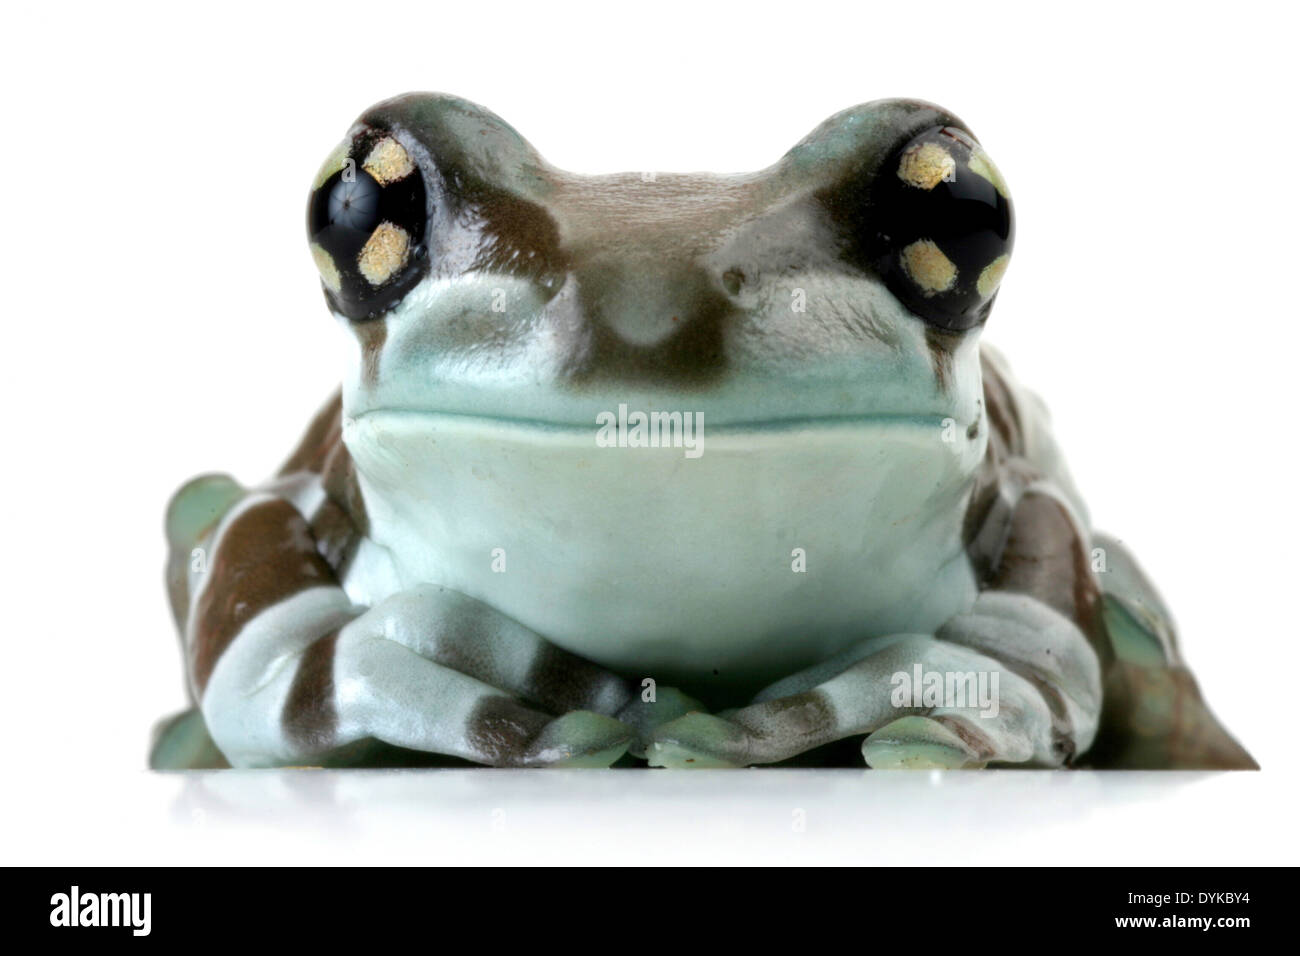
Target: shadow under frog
(451, 567)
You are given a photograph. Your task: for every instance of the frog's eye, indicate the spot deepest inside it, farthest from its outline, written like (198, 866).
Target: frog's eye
(366, 223)
(943, 227)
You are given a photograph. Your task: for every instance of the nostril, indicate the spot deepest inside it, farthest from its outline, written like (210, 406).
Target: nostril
(646, 303)
(733, 280)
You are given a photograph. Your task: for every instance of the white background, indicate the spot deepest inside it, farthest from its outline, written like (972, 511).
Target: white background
(164, 318)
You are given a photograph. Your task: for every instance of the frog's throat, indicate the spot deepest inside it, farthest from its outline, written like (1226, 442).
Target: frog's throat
(638, 556)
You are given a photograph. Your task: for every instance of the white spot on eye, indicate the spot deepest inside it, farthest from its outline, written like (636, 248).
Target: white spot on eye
(384, 253)
(333, 163)
(991, 276)
(388, 162)
(329, 272)
(927, 165)
(982, 165)
(928, 267)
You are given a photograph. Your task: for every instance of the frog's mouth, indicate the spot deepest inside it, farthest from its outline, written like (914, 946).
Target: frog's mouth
(626, 418)
(640, 555)
(633, 429)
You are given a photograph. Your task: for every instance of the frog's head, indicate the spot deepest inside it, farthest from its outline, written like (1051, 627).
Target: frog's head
(820, 315)
(848, 280)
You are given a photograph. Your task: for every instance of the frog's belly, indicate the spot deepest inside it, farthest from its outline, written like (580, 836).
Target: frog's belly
(684, 570)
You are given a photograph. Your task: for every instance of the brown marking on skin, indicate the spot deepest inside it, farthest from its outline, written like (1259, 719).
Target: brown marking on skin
(178, 575)
(1046, 556)
(322, 434)
(336, 536)
(309, 718)
(340, 480)
(1036, 548)
(979, 744)
(557, 681)
(688, 353)
(988, 512)
(266, 555)
(941, 345)
(184, 536)
(515, 236)
(1062, 726)
(561, 682)
(1154, 718)
(1001, 465)
(339, 521)
(501, 729)
(983, 496)
(809, 714)
(467, 647)
(371, 335)
(1000, 406)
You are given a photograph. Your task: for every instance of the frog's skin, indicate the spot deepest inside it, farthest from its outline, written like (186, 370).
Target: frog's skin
(449, 565)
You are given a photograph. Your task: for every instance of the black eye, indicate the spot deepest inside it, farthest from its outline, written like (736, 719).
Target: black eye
(366, 222)
(944, 227)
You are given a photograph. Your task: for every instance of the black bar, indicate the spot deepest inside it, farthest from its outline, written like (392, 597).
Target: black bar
(337, 906)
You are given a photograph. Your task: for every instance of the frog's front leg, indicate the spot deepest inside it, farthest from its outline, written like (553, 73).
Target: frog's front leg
(1032, 633)
(286, 668)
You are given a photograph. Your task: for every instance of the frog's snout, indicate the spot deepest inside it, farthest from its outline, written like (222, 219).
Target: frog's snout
(644, 304)
(655, 315)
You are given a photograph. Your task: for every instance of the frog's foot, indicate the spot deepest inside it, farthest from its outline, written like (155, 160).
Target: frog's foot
(645, 717)
(390, 692)
(1013, 681)
(427, 670)
(922, 743)
(1154, 716)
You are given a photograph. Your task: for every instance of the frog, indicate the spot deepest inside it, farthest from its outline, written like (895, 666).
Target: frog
(668, 470)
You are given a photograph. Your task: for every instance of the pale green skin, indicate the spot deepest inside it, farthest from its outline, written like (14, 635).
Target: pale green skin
(826, 433)
(828, 503)
(817, 541)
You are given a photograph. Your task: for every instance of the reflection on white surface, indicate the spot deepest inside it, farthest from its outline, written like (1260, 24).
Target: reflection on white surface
(641, 817)
(636, 817)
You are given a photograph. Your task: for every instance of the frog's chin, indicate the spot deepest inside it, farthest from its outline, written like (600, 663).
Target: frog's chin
(736, 558)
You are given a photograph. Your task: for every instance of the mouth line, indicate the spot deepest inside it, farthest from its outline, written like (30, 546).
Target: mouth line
(784, 423)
